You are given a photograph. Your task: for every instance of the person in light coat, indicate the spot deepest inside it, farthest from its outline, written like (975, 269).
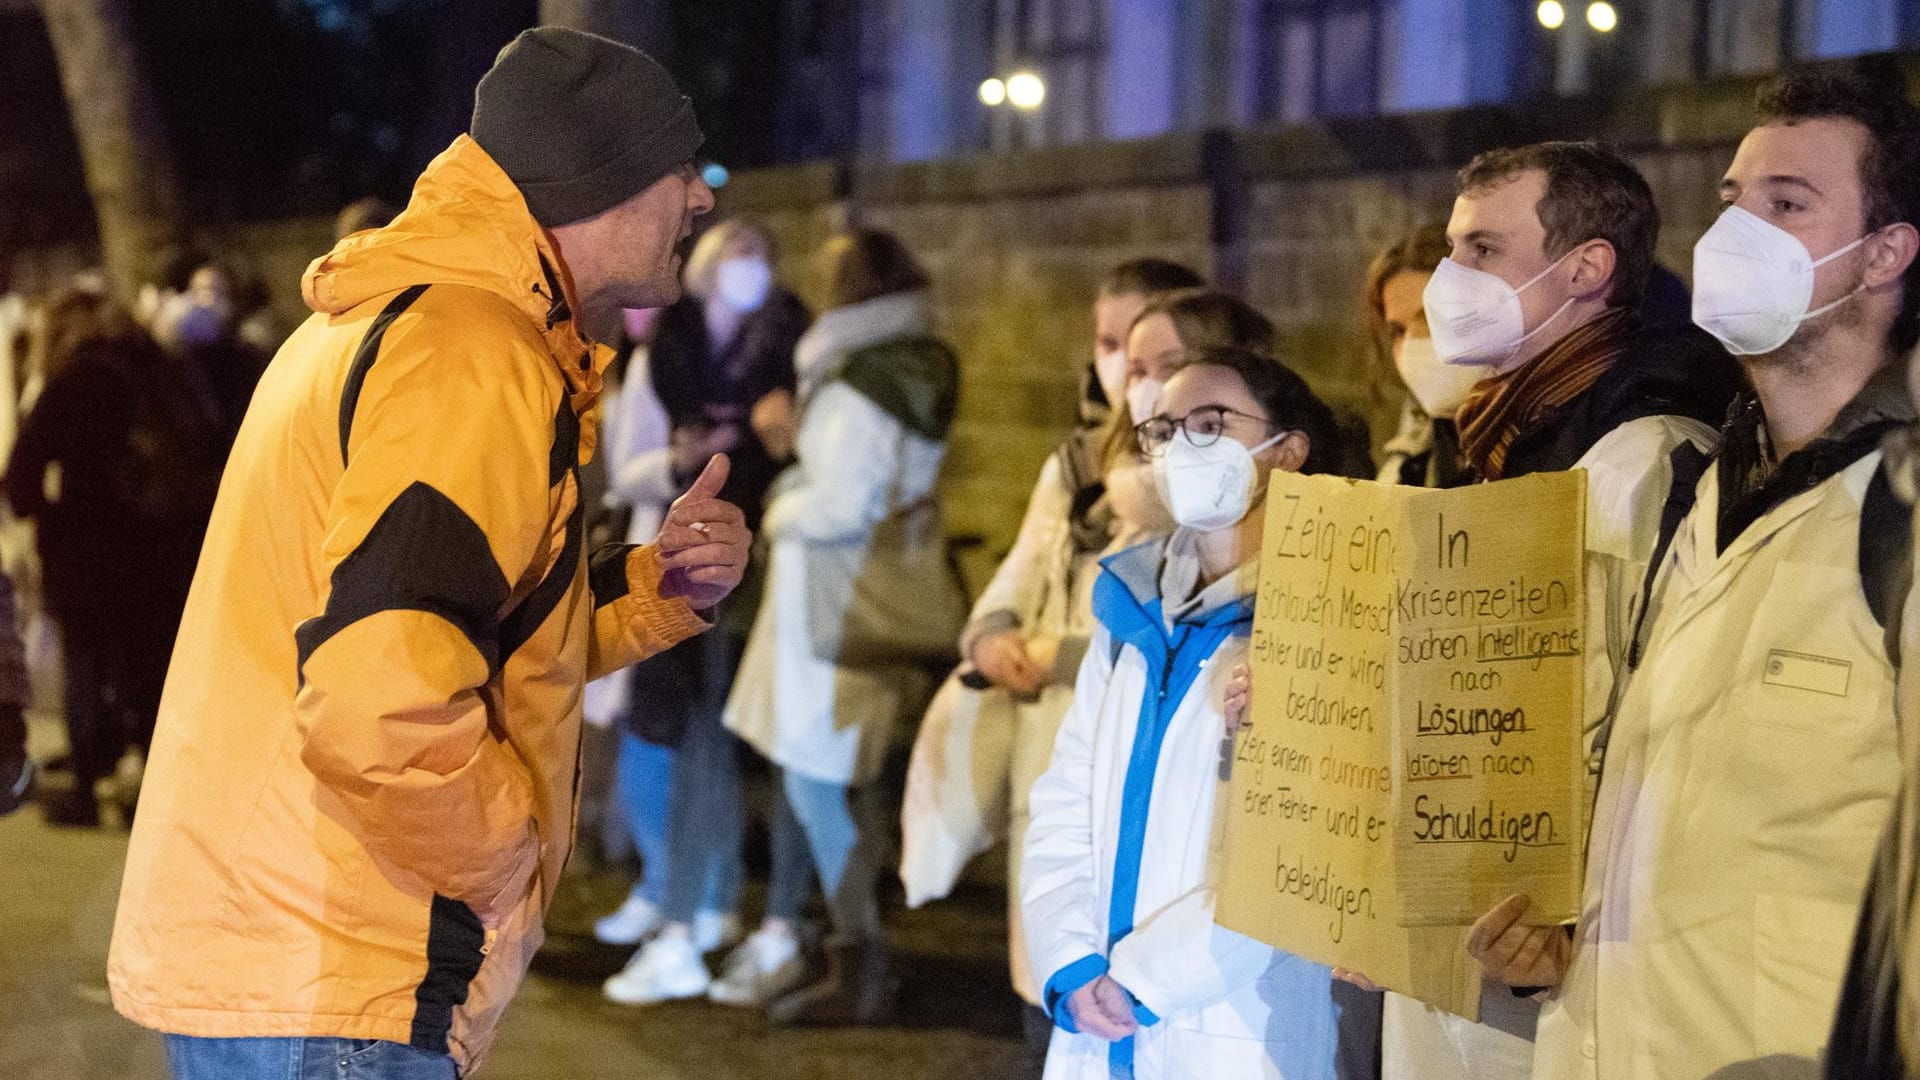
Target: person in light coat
(877, 393)
(1587, 385)
(726, 346)
(1121, 855)
(1029, 627)
(1751, 763)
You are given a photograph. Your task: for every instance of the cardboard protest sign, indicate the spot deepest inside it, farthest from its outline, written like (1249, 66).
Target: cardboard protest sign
(1414, 754)
(1490, 689)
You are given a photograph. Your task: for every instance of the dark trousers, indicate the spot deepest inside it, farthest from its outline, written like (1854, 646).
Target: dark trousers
(114, 675)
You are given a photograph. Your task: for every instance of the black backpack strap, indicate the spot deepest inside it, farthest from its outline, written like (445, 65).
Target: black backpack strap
(1689, 465)
(1886, 557)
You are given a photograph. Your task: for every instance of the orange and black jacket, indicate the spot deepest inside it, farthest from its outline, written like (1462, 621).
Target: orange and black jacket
(364, 780)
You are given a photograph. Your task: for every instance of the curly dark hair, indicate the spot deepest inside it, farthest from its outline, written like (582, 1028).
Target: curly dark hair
(1890, 165)
(1592, 194)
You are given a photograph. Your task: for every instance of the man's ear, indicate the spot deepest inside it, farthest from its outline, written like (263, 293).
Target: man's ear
(1890, 252)
(1593, 269)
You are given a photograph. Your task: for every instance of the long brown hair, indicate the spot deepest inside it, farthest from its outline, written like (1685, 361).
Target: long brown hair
(1419, 252)
(866, 264)
(76, 317)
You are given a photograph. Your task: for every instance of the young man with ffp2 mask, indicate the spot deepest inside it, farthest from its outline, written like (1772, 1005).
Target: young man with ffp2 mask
(1751, 765)
(1552, 246)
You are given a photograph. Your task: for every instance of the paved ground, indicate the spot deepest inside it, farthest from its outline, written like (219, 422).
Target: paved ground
(958, 1020)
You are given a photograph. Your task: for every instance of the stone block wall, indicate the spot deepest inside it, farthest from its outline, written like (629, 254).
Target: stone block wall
(1288, 218)
(1016, 248)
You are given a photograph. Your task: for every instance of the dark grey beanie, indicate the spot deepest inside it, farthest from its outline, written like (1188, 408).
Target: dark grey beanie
(581, 123)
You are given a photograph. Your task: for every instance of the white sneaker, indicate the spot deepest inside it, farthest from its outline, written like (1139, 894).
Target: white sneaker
(630, 924)
(760, 970)
(713, 930)
(666, 970)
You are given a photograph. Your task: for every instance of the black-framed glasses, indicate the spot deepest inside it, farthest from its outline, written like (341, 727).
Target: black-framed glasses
(1203, 426)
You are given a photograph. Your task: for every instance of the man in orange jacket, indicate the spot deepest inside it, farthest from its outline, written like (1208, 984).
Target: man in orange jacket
(364, 780)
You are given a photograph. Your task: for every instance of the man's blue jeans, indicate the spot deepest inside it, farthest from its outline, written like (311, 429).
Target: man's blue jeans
(302, 1059)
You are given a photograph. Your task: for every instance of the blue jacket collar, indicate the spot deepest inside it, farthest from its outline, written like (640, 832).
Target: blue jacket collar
(1126, 599)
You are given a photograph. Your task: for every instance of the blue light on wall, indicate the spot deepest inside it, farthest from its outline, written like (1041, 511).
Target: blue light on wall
(1850, 27)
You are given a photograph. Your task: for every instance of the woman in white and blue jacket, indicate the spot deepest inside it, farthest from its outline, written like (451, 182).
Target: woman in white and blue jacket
(1122, 849)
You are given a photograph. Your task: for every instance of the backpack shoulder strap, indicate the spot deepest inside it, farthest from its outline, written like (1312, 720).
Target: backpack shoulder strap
(1689, 465)
(1886, 557)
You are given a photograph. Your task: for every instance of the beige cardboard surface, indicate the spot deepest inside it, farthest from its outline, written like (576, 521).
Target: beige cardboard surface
(1327, 852)
(1488, 687)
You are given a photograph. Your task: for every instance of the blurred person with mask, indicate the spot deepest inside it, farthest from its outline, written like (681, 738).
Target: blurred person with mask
(1537, 304)
(1184, 322)
(632, 425)
(362, 789)
(1753, 760)
(1029, 626)
(715, 354)
(200, 314)
(1138, 979)
(199, 327)
(1425, 449)
(877, 395)
(172, 274)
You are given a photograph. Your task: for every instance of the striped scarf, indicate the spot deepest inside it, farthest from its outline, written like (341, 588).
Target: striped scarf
(1501, 409)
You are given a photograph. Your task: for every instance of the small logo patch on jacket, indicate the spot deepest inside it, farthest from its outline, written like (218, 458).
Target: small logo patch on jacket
(1804, 671)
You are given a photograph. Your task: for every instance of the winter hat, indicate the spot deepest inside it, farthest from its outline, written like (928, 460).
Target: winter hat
(581, 123)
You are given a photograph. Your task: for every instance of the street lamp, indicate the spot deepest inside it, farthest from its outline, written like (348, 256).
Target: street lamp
(1551, 13)
(993, 93)
(1026, 91)
(1602, 17)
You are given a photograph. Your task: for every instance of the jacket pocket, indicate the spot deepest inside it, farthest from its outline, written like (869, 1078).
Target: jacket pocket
(1814, 659)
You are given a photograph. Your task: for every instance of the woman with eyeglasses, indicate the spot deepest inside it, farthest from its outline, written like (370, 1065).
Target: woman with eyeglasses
(1117, 883)
(1029, 627)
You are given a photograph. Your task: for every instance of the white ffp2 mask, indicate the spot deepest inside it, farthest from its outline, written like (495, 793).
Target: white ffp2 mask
(743, 284)
(1141, 396)
(1476, 317)
(1439, 388)
(1110, 370)
(1208, 487)
(1753, 282)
